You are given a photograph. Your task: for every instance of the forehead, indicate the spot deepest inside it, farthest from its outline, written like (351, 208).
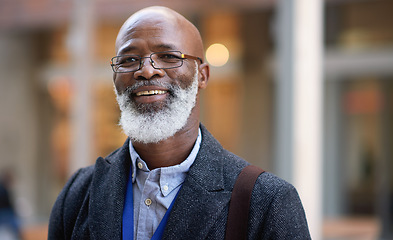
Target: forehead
(151, 35)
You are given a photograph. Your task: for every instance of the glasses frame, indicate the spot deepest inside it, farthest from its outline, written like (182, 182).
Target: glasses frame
(182, 57)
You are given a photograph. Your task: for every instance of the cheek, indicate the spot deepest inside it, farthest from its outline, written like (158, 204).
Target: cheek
(183, 77)
(184, 81)
(121, 82)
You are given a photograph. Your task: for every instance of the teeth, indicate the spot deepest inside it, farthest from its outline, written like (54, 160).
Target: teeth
(151, 92)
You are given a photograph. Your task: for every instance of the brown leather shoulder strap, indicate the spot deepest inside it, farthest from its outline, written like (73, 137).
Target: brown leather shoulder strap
(239, 205)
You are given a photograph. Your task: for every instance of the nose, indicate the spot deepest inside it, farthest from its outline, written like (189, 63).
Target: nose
(147, 70)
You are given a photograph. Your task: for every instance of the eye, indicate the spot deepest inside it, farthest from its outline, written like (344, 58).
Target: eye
(169, 56)
(129, 59)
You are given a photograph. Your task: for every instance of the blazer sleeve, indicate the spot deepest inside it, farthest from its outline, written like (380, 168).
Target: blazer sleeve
(277, 210)
(68, 205)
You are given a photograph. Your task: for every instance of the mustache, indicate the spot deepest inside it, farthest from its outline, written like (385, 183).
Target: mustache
(171, 88)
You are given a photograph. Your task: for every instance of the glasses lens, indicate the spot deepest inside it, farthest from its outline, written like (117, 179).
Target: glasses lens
(170, 59)
(126, 63)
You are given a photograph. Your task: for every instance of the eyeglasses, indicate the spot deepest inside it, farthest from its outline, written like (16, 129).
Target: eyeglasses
(159, 60)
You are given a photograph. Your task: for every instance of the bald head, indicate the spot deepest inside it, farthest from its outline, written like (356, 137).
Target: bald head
(166, 19)
(167, 80)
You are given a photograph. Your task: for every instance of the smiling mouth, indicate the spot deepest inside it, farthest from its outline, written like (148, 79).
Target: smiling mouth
(150, 93)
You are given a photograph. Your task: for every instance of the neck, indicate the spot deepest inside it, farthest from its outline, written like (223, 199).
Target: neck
(171, 151)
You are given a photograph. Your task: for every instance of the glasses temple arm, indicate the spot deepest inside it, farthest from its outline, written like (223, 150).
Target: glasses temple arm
(191, 57)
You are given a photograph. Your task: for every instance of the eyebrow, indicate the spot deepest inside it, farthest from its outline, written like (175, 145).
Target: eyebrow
(167, 46)
(126, 49)
(160, 47)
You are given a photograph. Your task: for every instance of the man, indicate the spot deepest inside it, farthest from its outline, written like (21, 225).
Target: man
(171, 179)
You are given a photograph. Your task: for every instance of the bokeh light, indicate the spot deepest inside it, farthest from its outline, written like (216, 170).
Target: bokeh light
(217, 55)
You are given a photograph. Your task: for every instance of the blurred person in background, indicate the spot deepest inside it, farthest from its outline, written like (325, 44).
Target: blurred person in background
(171, 179)
(9, 222)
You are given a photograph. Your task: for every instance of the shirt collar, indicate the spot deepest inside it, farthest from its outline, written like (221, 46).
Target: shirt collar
(169, 177)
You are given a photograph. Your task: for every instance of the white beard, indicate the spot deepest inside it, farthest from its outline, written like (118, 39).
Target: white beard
(153, 126)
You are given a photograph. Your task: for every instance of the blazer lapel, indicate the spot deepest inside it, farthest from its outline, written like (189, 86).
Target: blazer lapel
(202, 197)
(107, 194)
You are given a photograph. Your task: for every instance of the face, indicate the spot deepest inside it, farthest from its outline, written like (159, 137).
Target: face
(155, 103)
(154, 125)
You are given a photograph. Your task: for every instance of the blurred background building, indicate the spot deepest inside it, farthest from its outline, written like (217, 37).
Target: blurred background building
(58, 109)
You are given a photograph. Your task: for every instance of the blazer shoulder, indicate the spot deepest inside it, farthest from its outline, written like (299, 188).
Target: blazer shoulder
(270, 184)
(277, 204)
(77, 186)
(79, 183)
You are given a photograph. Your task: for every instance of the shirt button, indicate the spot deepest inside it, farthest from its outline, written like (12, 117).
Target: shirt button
(166, 188)
(148, 201)
(140, 165)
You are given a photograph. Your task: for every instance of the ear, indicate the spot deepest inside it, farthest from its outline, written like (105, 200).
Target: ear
(204, 74)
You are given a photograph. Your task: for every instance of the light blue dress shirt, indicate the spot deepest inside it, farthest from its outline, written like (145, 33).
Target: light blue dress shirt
(154, 190)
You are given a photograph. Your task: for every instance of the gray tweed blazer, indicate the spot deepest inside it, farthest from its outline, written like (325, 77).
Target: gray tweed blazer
(91, 204)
